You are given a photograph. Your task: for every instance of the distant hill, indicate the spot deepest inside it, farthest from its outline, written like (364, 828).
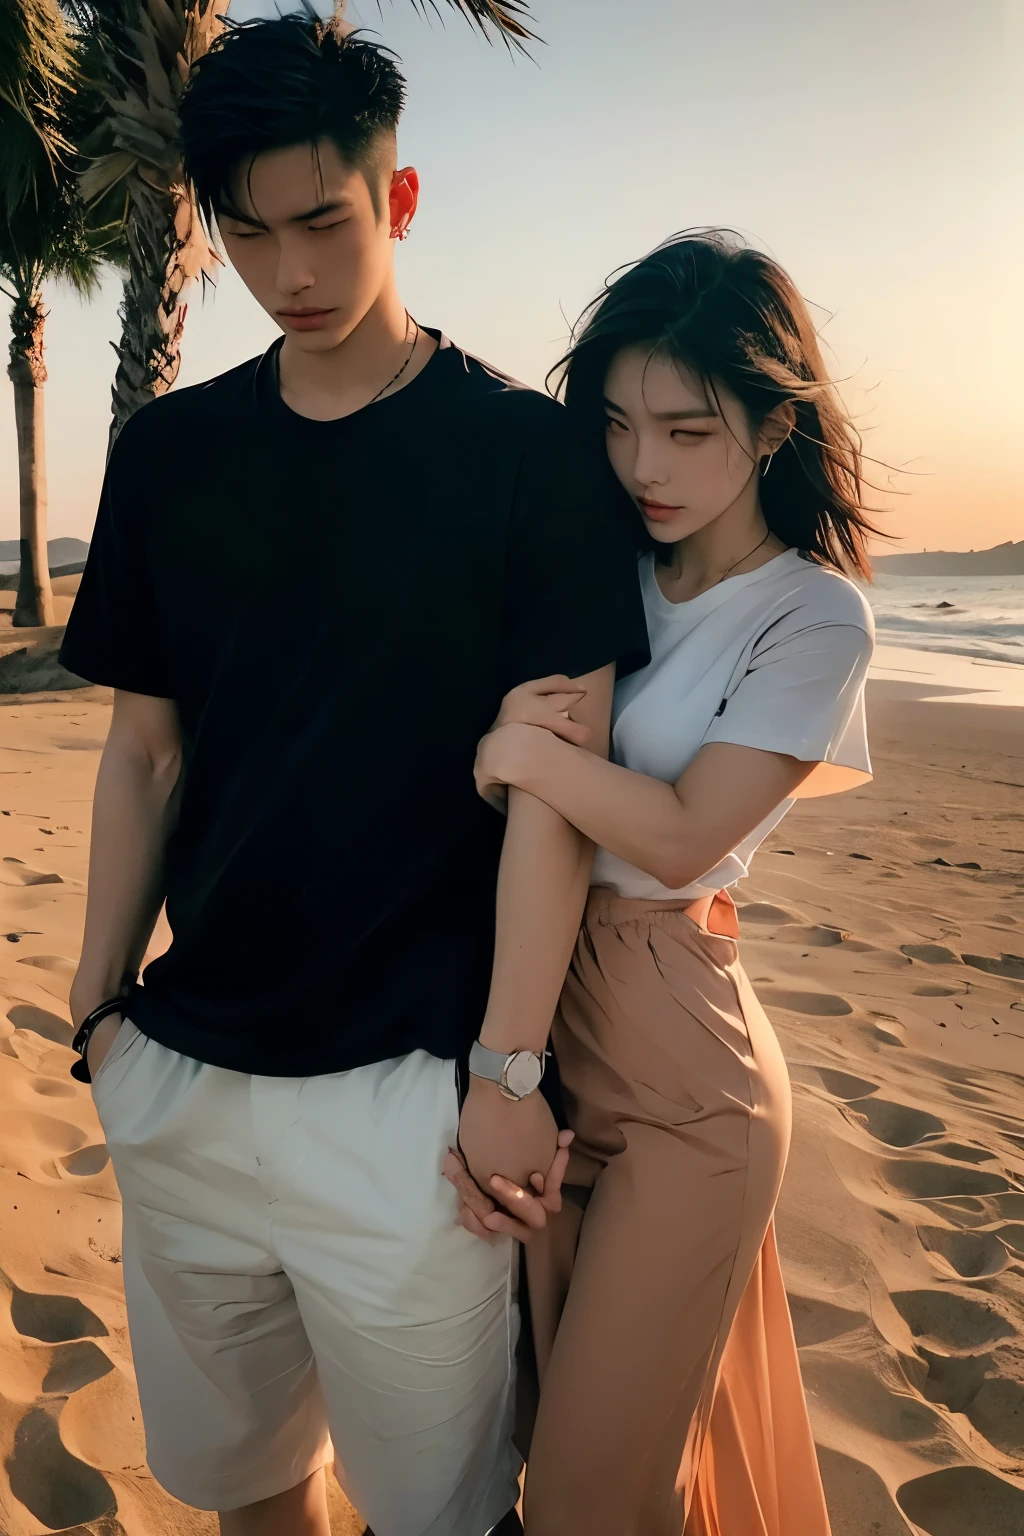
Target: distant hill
(1004, 560)
(67, 557)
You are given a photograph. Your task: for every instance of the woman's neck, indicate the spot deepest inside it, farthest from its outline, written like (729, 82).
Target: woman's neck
(734, 544)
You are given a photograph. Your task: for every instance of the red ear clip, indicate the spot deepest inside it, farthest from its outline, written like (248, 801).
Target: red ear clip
(400, 234)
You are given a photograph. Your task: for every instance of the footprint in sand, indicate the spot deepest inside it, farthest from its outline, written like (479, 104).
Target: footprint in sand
(818, 1322)
(32, 1128)
(817, 1004)
(1007, 965)
(838, 1085)
(971, 1255)
(50, 1025)
(17, 872)
(765, 912)
(949, 1322)
(1013, 1236)
(53, 1319)
(57, 1488)
(991, 1212)
(851, 1484)
(930, 954)
(985, 1388)
(962, 1501)
(84, 1163)
(997, 1412)
(39, 1146)
(58, 972)
(851, 1388)
(953, 1380)
(896, 1125)
(926, 1180)
(73, 1366)
(815, 936)
(964, 1152)
(53, 1088)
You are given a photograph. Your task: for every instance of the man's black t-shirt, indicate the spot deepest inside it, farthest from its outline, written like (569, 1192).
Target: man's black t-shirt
(337, 609)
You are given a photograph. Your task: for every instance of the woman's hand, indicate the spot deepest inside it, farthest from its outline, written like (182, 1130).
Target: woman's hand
(545, 703)
(548, 702)
(485, 1218)
(502, 758)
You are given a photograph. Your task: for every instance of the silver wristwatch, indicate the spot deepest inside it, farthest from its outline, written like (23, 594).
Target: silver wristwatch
(516, 1075)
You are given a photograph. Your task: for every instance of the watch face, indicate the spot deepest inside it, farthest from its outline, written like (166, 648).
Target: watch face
(523, 1073)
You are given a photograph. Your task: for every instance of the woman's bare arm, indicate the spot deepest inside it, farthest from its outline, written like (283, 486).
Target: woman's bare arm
(674, 832)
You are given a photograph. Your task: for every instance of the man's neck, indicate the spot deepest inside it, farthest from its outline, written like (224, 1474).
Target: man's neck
(327, 385)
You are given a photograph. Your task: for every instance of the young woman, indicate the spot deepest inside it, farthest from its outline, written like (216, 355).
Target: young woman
(671, 1396)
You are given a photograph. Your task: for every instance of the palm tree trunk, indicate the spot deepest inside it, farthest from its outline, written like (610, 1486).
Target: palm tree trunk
(152, 313)
(27, 372)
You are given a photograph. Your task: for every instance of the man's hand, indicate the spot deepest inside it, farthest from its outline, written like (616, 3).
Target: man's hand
(500, 1138)
(101, 1042)
(483, 1218)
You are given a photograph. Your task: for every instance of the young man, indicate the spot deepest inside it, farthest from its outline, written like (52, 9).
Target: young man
(312, 580)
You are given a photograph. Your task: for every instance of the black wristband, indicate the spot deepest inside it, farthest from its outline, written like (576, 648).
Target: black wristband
(86, 1030)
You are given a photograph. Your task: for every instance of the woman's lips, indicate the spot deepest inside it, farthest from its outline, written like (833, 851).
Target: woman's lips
(305, 319)
(658, 511)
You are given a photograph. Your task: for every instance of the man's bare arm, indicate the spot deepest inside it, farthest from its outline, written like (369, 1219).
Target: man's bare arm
(542, 888)
(134, 809)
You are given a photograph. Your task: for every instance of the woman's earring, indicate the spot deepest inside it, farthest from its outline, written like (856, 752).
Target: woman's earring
(768, 465)
(400, 232)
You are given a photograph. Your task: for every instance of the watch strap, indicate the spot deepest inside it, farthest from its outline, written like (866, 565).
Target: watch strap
(493, 1065)
(484, 1062)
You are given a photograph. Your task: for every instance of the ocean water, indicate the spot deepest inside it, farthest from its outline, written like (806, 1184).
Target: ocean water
(979, 616)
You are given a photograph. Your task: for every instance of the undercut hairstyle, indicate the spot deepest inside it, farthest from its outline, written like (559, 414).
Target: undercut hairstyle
(728, 313)
(268, 85)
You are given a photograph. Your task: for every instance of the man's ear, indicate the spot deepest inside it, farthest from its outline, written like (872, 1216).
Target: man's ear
(403, 200)
(777, 427)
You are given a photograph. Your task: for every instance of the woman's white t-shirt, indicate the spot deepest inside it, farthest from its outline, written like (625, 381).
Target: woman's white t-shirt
(775, 659)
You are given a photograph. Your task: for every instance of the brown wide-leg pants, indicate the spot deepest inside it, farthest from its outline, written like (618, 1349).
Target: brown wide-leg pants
(671, 1398)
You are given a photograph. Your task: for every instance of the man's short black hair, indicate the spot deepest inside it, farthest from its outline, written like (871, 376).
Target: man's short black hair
(272, 84)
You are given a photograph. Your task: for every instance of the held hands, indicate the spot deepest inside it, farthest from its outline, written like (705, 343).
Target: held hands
(502, 1144)
(545, 703)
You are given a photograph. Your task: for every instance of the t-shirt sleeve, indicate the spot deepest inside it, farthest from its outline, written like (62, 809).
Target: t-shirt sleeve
(802, 693)
(572, 600)
(113, 635)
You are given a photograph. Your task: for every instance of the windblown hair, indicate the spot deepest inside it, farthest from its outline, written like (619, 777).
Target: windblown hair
(732, 316)
(272, 84)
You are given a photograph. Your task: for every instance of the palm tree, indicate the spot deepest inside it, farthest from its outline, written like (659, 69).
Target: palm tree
(140, 54)
(146, 49)
(42, 235)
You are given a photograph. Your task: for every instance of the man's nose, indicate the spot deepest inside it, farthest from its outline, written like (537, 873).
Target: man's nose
(294, 272)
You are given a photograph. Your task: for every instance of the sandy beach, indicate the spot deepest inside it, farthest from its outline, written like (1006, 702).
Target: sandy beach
(884, 932)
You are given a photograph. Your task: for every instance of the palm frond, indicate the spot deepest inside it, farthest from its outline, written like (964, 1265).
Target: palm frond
(44, 232)
(506, 19)
(36, 76)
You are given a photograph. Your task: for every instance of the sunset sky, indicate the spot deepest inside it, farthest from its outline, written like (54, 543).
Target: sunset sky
(873, 148)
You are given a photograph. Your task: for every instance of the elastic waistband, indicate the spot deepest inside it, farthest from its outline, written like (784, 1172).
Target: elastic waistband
(715, 914)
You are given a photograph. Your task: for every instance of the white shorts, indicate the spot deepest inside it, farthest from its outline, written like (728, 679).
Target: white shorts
(296, 1275)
